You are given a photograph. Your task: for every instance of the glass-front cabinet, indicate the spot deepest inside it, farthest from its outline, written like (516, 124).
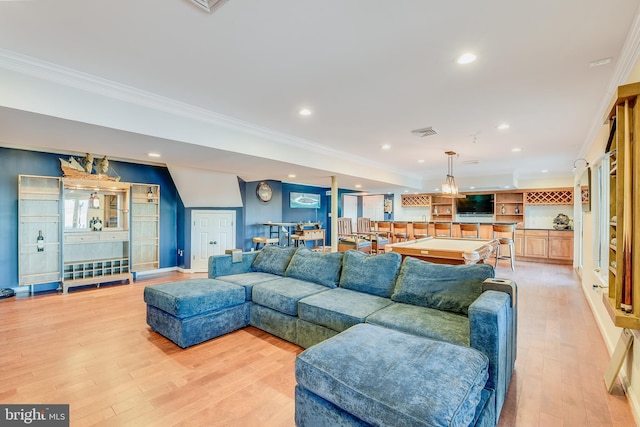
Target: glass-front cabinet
(82, 231)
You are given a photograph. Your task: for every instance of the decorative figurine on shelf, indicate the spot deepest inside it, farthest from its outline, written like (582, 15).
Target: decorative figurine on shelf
(87, 163)
(97, 224)
(503, 209)
(102, 165)
(517, 210)
(435, 211)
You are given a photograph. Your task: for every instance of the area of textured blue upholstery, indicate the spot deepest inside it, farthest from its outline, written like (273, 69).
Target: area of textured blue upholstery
(339, 309)
(192, 330)
(440, 286)
(249, 280)
(423, 321)
(394, 378)
(273, 259)
(312, 411)
(490, 324)
(223, 264)
(373, 274)
(283, 294)
(322, 268)
(308, 334)
(274, 322)
(190, 297)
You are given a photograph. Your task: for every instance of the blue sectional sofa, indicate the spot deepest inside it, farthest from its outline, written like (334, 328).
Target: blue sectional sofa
(307, 297)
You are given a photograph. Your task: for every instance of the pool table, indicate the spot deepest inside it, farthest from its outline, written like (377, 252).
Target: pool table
(446, 250)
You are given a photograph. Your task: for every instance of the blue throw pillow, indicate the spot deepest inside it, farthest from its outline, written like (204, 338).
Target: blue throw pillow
(440, 286)
(273, 259)
(322, 268)
(373, 274)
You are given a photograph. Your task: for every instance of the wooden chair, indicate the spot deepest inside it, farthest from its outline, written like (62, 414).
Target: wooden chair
(347, 239)
(442, 229)
(506, 235)
(420, 230)
(400, 231)
(378, 240)
(470, 231)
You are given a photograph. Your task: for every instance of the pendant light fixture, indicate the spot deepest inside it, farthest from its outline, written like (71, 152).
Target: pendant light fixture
(449, 188)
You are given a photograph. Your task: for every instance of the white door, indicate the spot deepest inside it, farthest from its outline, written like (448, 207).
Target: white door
(373, 207)
(212, 232)
(350, 209)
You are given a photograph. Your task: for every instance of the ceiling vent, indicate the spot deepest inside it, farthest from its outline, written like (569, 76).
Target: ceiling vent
(425, 131)
(209, 5)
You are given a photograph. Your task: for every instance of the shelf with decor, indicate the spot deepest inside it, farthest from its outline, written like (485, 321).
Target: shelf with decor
(145, 226)
(442, 208)
(623, 297)
(509, 207)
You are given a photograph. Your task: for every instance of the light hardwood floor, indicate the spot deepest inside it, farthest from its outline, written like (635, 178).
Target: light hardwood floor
(93, 350)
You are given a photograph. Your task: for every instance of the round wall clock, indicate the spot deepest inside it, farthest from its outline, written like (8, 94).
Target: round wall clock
(264, 191)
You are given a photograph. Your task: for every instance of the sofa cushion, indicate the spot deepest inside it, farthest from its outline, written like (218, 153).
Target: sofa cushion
(273, 259)
(191, 297)
(444, 287)
(283, 294)
(373, 274)
(339, 309)
(423, 321)
(395, 379)
(322, 268)
(248, 280)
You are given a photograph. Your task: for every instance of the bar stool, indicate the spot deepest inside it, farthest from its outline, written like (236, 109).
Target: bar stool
(473, 229)
(420, 230)
(401, 231)
(442, 229)
(506, 235)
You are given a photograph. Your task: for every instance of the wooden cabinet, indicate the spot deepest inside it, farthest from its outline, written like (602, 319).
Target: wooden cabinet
(623, 299)
(561, 245)
(553, 246)
(536, 243)
(38, 216)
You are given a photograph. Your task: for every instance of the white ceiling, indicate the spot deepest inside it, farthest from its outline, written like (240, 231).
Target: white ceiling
(221, 91)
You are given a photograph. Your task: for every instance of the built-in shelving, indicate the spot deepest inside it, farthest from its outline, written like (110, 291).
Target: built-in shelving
(145, 217)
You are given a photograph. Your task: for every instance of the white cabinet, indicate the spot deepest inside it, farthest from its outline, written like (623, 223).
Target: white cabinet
(38, 215)
(93, 231)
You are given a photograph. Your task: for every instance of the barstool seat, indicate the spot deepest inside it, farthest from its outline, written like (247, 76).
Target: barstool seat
(265, 241)
(506, 235)
(442, 229)
(470, 231)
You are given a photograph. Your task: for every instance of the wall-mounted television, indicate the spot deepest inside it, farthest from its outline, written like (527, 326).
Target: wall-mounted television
(475, 204)
(304, 200)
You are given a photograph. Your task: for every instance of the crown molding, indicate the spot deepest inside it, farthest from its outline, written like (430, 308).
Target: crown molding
(627, 60)
(68, 77)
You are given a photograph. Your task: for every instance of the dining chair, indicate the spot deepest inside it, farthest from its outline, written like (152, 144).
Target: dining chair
(347, 239)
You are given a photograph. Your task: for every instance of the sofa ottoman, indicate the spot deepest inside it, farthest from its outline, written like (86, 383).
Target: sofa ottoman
(189, 312)
(392, 378)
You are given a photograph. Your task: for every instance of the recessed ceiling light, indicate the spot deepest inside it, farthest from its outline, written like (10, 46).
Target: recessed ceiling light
(386, 146)
(305, 112)
(544, 171)
(503, 126)
(472, 188)
(466, 58)
(358, 186)
(436, 189)
(292, 175)
(516, 150)
(507, 186)
(421, 161)
(153, 154)
(406, 191)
